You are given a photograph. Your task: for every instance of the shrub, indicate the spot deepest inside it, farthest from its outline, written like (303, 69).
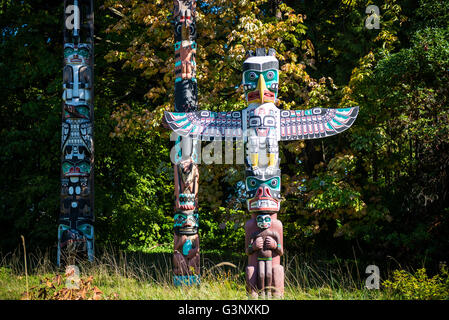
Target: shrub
(419, 286)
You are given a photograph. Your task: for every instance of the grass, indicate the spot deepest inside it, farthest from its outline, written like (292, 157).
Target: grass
(148, 275)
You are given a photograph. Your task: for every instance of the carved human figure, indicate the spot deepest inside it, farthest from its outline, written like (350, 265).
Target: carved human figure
(186, 255)
(264, 247)
(186, 259)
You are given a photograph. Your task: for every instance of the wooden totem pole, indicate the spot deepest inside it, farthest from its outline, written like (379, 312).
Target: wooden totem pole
(261, 125)
(76, 231)
(186, 255)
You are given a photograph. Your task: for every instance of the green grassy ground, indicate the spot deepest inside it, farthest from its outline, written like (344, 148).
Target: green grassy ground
(120, 287)
(146, 274)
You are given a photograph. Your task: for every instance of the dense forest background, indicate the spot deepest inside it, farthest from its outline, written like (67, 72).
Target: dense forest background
(378, 190)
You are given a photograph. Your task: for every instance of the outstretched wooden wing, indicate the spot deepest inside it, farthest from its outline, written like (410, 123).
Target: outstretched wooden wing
(206, 125)
(315, 123)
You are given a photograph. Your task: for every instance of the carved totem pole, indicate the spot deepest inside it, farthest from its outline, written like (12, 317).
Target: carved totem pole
(76, 231)
(261, 125)
(186, 255)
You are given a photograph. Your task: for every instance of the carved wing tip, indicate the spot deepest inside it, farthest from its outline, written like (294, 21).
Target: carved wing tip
(318, 123)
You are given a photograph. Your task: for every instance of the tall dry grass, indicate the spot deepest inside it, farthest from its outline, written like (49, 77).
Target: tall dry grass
(146, 275)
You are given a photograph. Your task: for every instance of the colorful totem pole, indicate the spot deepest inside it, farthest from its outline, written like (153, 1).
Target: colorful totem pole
(261, 125)
(186, 255)
(75, 231)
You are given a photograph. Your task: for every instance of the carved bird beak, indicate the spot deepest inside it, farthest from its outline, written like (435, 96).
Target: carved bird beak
(261, 86)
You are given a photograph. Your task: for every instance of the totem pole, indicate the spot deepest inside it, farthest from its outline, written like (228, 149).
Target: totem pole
(261, 125)
(76, 231)
(186, 255)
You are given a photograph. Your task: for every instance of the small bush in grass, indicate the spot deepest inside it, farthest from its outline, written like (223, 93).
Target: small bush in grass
(419, 286)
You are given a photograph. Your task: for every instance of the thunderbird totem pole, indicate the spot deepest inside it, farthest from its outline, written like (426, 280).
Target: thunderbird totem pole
(261, 125)
(186, 255)
(75, 231)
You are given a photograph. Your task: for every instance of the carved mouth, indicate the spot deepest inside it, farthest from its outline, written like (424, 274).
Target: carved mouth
(187, 231)
(253, 95)
(76, 172)
(268, 96)
(263, 204)
(262, 132)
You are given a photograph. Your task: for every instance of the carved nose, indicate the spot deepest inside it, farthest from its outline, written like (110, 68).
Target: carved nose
(74, 170)
(263, 191)
(267, 192)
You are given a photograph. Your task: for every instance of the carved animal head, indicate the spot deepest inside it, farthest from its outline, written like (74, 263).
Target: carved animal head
(76, 54)
(263, 194)
(186, 223)
(261, 76)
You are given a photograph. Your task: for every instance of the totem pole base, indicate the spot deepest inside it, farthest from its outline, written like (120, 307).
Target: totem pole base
(186, 280)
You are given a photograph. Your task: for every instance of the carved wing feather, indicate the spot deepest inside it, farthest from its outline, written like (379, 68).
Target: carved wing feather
(206, 125)
(315, 123)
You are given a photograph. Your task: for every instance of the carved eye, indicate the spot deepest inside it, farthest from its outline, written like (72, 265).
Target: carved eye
(84, 52)
(274, 183)
(254, 121)
(251, 183)
(68, 52)
(270, 75)
(84, 167)
(269, 121)
(252, 76)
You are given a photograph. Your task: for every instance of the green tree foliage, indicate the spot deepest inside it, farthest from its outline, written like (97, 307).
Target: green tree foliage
(382, 185)
(405, 151)
(30, 114)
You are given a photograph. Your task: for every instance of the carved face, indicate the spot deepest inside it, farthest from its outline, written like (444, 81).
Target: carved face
(261, 79)
(76, 54)
(76, 162)
(263, 119)
(263, 195)
(186, 223)
(263, 221)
